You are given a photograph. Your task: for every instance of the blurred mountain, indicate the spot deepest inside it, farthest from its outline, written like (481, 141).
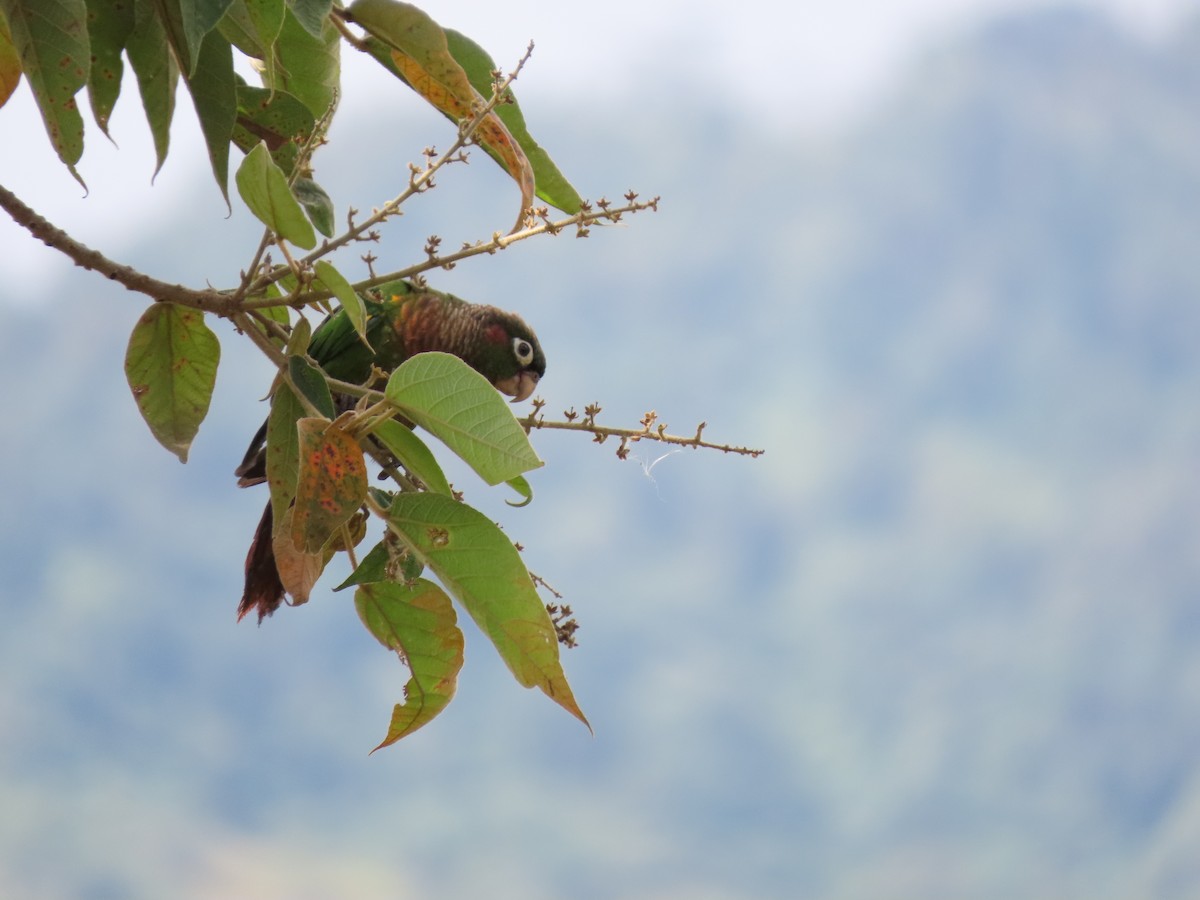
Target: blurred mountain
(941, 641)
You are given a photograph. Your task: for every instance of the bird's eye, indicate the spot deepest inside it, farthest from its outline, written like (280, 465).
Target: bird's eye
(523, 350)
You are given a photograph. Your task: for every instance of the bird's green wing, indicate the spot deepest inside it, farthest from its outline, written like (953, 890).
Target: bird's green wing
(338, 349)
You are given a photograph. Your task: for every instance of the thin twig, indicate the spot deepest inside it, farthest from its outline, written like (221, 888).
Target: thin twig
(419, 181)
(648, 431)
(589, 215)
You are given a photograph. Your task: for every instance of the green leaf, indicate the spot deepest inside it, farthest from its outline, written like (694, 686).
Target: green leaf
(372, 567)
(278, 314)
(316, 203)
(170, 17)
(264, 189)
(277, 119)
(188, 24)
(521, 486)
(412, 453)
(552, 185)
(253, 27)
(10, 63)
(157, 75)
(356, 311)
(453, 402)
(50, 37)
(283, 451)
(309, 380)
(312, 15)
(308, 66)
(214, 93)
(331, 485)
(302, 332)
(171, 366)
(237, 28)
(265, 18)
(418, 623)
(481, 568)
(109, 24)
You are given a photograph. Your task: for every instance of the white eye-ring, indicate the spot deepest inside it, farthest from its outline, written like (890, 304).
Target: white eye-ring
(523, 350)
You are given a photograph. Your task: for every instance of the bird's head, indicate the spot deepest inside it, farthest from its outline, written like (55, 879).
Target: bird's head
(511, 357)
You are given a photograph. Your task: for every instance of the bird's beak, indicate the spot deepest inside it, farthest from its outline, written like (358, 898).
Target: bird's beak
(520, 387)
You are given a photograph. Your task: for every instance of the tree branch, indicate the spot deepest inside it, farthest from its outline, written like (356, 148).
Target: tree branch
(54, 237)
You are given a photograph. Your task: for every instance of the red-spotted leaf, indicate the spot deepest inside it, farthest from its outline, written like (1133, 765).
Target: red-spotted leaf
(171, 366)
(481, 568)
(414, 47)
(331, 485)
(416, 621)
(50, 38)
(109, 25)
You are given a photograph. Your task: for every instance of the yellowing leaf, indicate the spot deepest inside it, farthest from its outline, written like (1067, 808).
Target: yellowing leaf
(552, 185)
(10, 63)
(417, 621)
(50, 37)
(420, 55)
(298, 569)
(480, 566)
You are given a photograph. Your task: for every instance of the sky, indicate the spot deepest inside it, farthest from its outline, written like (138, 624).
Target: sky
(869, 704)
(811, 67)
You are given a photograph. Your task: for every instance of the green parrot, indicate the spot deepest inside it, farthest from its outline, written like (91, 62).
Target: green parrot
(402, 321)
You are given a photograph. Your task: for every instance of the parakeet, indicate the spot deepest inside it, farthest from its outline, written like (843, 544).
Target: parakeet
(403, 320)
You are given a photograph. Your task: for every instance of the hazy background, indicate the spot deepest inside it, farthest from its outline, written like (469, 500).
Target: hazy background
(943, 640)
